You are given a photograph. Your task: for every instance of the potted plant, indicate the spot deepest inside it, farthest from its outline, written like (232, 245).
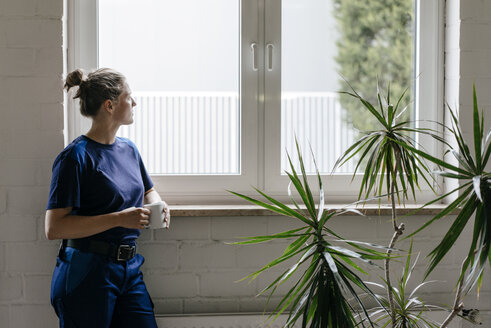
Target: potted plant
(474, 188)
(320, 296)
(410, 310)
(474, 200)
(388, 159)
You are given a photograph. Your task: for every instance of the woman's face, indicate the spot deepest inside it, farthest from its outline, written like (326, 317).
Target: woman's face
(123, 107)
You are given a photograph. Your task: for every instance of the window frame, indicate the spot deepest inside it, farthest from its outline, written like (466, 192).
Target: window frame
(428, 90)
(210, 189)
(260, 93)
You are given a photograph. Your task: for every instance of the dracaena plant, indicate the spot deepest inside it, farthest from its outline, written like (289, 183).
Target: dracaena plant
(410, 310)
(320, 296)
(388, 159)
(474, 200)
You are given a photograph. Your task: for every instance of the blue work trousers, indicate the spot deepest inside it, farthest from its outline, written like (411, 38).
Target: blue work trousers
(90, 290)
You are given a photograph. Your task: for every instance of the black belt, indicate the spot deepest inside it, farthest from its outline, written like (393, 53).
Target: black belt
(118, 252)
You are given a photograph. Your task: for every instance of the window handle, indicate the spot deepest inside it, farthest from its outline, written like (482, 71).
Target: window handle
(254, 61)
(270, 48)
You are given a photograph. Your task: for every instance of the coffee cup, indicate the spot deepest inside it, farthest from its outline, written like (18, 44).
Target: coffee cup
(156, 216)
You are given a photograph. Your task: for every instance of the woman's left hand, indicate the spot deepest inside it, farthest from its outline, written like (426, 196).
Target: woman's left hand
(152, 196)
(166, 211)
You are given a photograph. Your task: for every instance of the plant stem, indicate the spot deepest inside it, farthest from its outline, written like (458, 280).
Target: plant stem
(458, 304)
(397, 232)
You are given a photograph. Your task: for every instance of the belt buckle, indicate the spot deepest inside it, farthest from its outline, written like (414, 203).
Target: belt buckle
(125, 252)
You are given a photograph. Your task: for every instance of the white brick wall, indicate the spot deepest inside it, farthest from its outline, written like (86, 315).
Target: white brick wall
(160, 256)
(31, 257)
(32, 316)
(189, 269)
(210, 256)
(21, 59)
(222, 305)
(474, 49)
(36, 287)
(11, 287)
(186, 228)
(4, 315)
(18, 228)
(21, 8)
(222, 284)
(3, 200)
(32, 32)
(204, 277)
(169, 286)
(2, 258)
(231, 228)
(31, 125)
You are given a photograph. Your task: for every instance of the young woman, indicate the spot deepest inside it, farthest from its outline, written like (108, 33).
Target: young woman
(99, 185)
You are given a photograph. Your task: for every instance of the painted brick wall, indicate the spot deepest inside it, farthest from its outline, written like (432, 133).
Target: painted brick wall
(468, 57)
(189, 269)
(31, 134)
(195, 272)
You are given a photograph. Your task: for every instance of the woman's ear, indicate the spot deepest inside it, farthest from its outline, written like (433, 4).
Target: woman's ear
(108, 106)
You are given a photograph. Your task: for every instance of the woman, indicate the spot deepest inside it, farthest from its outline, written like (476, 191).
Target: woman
(99, 185)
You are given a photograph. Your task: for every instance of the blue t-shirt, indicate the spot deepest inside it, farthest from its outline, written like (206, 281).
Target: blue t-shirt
(96, 178)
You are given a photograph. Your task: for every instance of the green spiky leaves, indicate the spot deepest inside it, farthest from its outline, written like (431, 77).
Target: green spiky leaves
(326, 265)
(410, 310)
(382, 155)
(474, 195)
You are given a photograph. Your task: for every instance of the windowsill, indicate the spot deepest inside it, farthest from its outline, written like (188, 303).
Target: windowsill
(253, 210)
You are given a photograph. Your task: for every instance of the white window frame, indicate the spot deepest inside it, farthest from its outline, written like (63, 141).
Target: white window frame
(428, 91)
(260, 103)
(188, 189)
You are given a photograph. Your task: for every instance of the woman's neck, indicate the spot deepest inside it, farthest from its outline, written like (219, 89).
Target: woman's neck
(102, 133)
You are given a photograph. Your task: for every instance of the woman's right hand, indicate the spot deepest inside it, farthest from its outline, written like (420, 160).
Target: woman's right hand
(134, 217)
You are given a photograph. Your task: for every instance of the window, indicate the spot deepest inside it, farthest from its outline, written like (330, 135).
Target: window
(223, 86)
(185, 73)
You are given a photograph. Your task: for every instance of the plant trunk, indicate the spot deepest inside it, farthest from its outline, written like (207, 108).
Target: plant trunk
(458, 304)
(397, 232)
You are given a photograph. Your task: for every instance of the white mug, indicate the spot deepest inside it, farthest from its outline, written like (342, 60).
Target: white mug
(156, 216)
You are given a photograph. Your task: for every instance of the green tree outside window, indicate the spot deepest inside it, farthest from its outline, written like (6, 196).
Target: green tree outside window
(376, 42)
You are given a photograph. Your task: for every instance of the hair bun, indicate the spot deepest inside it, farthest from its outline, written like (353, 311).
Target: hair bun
(74, 78)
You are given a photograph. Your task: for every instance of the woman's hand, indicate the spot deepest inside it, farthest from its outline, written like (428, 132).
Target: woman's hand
(152, 196)
(134, 217)
(166, 211)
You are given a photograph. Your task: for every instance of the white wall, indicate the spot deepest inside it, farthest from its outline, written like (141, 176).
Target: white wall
(468, 58)
(188, 269)
(31, 124)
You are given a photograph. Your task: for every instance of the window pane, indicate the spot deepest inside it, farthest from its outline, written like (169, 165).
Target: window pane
(181, 59)
(324, 41)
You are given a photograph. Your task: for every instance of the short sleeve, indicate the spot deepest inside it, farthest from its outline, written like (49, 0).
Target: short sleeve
(65, 183)
(147, 181)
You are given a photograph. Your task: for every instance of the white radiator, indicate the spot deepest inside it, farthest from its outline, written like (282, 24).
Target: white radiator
(198, 133)
(244, 320)
(239, 320)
